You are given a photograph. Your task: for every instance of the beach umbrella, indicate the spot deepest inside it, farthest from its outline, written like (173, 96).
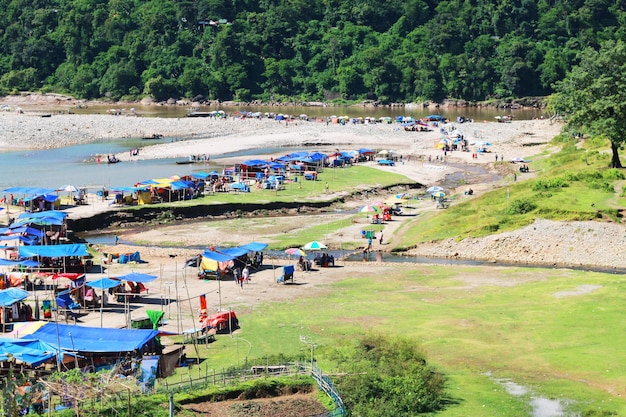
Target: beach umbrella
(434, 189)
(370, 208)
(137, 277)
(314, 245)
(103, 283)
(68, 188)
(439, 194)
(295, 251)
(383, 152)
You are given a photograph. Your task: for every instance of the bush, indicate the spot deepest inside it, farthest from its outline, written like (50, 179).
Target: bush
(521, 206)
(550, 184)
(389, 377)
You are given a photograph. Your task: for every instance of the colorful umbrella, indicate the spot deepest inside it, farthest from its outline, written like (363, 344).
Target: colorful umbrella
(434, 189)
(370, 208)
(439, 194)
(295, 251)
(314, 245)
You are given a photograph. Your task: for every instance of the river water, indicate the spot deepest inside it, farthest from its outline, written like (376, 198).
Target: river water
(75, 165)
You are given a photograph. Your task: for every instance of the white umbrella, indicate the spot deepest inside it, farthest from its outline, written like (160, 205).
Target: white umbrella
(314, 245)
(68, 188)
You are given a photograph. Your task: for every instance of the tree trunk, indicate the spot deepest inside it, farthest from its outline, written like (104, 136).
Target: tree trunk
(615, 162)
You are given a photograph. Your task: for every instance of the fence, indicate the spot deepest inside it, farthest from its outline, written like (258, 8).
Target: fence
(233, 376)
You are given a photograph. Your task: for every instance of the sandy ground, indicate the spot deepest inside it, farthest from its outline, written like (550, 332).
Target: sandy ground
(217, 137)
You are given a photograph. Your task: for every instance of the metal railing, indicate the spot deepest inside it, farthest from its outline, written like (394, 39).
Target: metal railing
(234, 376)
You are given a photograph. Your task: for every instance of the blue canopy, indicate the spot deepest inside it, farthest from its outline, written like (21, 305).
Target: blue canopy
(317, 156)
(217, 257)
(93, 339)
(54, 251)
(254, 162)
(255, 246)
(234, 252)
(41, 217)
(31, 352)
(276, 165)
(11, 296)
(148, 182)
(122, 189)
(181, 185)
(137, 277)
(205, 175)
(22, 228)
(29, 190)
(54, 214)
(103, 283)
(25, 262)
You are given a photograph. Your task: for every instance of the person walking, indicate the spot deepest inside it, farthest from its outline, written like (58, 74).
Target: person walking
(380, 238)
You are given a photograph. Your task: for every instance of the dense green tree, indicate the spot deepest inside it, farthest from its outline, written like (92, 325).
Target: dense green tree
(389, 50)
(593, 95)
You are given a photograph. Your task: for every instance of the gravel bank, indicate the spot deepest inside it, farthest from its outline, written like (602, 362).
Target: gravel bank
(545, 242)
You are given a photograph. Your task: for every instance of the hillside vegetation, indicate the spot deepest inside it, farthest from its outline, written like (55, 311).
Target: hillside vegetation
(575, 184)
(387, 51)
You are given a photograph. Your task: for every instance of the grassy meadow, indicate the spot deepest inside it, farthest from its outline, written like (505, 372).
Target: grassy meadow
(557, 332)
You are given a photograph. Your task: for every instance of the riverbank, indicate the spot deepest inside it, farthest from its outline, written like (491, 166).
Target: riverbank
(519, 139)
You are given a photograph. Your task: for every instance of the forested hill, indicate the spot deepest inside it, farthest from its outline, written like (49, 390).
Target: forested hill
(386, 50)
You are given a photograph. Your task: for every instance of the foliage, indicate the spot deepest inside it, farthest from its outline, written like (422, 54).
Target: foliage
(592, 95)
(549, 184)
(372, 49)
(521, 206)
(388, 377)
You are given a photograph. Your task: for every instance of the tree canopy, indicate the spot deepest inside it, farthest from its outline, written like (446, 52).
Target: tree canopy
(389, 50)
(593, 95)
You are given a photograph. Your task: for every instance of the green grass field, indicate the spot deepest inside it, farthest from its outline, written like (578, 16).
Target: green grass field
(557, 332)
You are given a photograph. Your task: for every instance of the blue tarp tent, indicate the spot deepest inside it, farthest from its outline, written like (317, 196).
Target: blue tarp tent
(25, 262)
(254, 163)
(137, 277)
(31, 352)
(255, 246)
(54, 251)
(217, 257)
(11, 296)
(93, 339)
(29, 190)
(181, 185)
(234, 252)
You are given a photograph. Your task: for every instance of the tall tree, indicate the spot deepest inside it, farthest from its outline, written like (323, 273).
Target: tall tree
(593, 95)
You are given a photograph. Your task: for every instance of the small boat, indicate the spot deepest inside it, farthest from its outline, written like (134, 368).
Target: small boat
(201, 114)
(113, 160)
(185, 162)
(155, 136)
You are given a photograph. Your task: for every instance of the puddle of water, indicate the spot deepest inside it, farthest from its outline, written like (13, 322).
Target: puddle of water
(541, 406)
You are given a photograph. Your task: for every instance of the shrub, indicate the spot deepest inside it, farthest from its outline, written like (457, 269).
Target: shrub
(521, 206)
(549, 184)
(389, 377)
(613, 174)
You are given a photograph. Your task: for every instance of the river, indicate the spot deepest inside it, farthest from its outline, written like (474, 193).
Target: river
(451, 113)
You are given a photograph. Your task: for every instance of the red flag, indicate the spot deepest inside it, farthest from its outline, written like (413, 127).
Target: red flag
(202, 313)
